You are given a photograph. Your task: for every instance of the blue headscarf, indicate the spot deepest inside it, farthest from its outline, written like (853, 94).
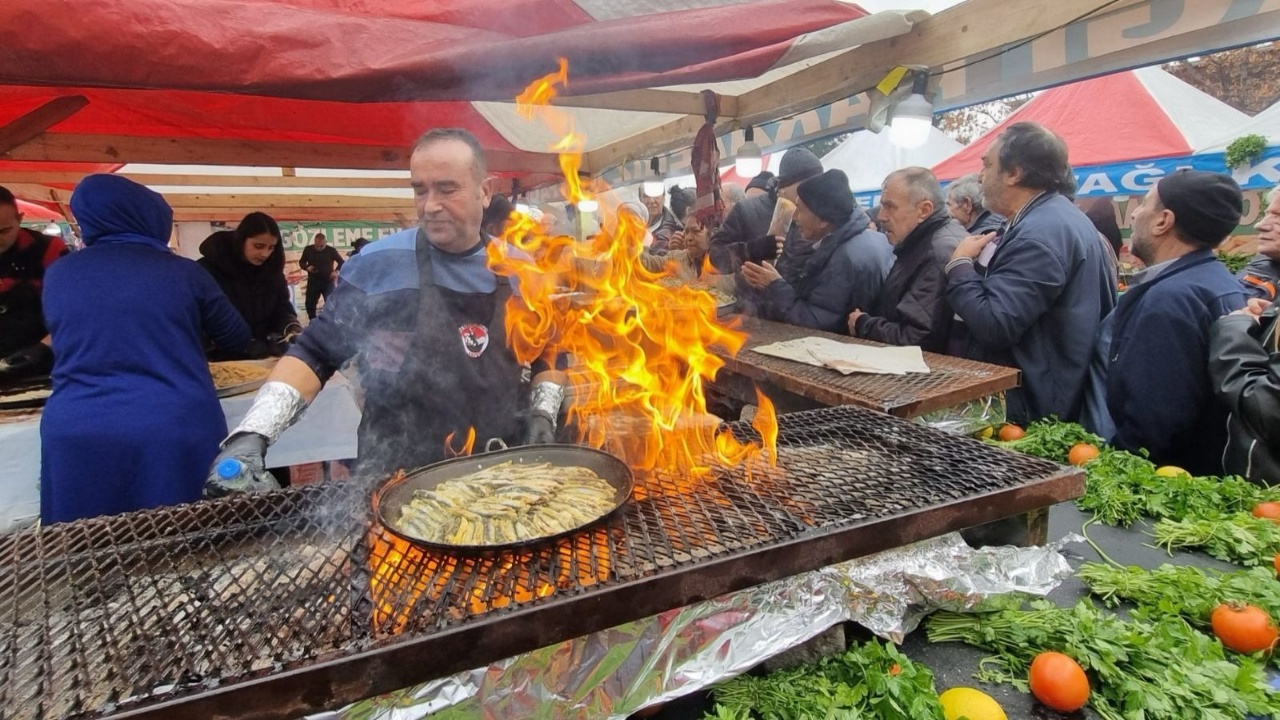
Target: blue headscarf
(113, 209)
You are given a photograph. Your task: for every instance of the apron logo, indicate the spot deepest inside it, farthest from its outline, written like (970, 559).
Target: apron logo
(475, 338)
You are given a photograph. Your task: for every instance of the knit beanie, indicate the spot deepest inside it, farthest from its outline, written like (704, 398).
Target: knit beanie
(797, 164)
(1206, 206)
(828, 196)
(761, 181)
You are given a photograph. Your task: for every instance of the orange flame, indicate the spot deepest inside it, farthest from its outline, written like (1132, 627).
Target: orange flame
(641, 350)
(467, 446)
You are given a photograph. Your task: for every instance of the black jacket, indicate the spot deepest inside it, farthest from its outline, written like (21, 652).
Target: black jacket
(1260, 278)
(22, 269)
(912, 308)
(259, 293)
(1244, 362)
(985, 223)
(847, 270)
(747, 221)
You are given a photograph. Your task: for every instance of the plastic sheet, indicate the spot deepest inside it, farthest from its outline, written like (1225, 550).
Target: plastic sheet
(615, 672)
(968, 418)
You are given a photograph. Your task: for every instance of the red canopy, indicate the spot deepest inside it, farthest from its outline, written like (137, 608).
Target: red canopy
(395, 50)
(31, 211)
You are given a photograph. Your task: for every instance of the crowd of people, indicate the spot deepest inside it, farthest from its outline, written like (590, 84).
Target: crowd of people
(1001, 267)
(1004, 267)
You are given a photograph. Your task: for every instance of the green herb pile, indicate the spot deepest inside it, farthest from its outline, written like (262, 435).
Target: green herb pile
(1235, 262)
(1150, 668)
(860, 684)
(1122, 487)
(1050, 439)
(1190, 592)
(1240, 538)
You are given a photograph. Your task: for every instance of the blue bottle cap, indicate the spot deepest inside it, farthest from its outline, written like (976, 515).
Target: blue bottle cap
(229, 468)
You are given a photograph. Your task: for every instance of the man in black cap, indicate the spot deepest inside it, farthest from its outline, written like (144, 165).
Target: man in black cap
(761, 184)
(1158, 388)
(744, 234)
(846, 261)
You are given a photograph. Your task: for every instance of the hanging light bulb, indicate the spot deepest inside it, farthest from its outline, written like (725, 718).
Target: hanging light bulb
(52, 229)
(588, 205)
(654, 186)
(913, 117)
(748, 163)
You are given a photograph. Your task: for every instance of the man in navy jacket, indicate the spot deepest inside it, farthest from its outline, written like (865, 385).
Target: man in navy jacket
(1033, 298)
(1158, 389)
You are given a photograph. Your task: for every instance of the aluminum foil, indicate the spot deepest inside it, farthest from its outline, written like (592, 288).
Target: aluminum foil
(615, 672)
(276, 407)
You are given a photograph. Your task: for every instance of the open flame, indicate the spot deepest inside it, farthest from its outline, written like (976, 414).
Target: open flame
(467, 445)
(641, 363)
(641, 350)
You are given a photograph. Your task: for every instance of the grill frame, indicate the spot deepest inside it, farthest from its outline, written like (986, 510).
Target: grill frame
(951, 381)
(375, 664)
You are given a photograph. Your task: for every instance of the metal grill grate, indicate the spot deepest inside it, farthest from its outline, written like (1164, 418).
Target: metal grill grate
(279, 605)
(952, 380)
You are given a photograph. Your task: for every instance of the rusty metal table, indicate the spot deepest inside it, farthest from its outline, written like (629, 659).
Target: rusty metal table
(951, 382)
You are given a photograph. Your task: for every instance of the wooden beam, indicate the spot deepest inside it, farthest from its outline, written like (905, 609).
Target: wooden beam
(70, 147)
(655, 141)
(266, 202)
(164, 179)
(664, 101)
(964, 30)
(971, 27)
(29, 125)
(234, 215)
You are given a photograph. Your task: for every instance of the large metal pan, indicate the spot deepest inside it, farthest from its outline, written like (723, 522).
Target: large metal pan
(26, 394)
(398, 491)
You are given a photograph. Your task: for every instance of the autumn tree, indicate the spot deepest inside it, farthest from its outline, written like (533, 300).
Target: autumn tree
(1247, 79)
(966, 124)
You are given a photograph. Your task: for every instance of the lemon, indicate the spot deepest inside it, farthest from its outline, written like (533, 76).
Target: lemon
(986, 432)
(1171, 471)
(963, 702)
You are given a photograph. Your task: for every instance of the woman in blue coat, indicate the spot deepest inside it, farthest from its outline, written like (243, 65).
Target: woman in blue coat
(133, 421)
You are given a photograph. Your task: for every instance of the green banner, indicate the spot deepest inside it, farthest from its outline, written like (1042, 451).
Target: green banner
(338, 234)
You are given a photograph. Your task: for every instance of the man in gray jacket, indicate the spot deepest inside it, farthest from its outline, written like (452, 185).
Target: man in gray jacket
(1046, 286)
(964, 203)
(1261, 277)
(1244, 362)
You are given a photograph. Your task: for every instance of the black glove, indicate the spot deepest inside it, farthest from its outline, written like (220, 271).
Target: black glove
(762, 248)
(240, 467)
(540, 431)
(31, 360)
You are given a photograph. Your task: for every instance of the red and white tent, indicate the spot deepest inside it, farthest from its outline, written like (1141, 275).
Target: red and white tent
(1134, 115)
(183, 78)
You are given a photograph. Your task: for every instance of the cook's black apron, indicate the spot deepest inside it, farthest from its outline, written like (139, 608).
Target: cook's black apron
(458, 373)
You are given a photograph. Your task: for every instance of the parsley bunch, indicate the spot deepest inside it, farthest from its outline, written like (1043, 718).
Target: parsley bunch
(1050, 439)
(1148, 668)
(1240, 538)
(1121, 487)
(872, 680)
(1182, 590)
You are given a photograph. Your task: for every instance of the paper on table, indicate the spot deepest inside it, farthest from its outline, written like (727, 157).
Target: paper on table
(848, 358)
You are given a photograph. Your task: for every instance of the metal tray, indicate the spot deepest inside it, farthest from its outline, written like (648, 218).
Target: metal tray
(10, 401)
(398, 491)
(245, 387)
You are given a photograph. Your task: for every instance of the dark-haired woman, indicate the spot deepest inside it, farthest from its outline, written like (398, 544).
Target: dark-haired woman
(248, 264)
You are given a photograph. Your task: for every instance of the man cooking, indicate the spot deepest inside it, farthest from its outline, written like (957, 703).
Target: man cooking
(423, 317)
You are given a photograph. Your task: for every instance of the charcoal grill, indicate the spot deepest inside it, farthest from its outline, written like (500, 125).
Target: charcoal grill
(280, 605)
